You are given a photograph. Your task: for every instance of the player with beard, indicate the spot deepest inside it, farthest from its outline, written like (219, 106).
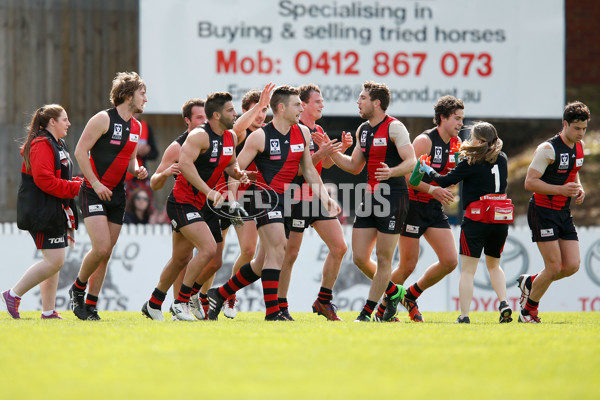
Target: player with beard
(246, 233)
(205, 154)
(194, 115)
(383, 145)
(278, 150)
(106, 151)
(305, 213)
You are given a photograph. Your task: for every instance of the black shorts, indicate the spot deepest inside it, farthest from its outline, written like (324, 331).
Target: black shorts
(305, 213)
(270, 209)
(182, 214)
(422, 216)
(386, 215)
(547, 224)
(477, 236)
(91, 205)
(50, 240)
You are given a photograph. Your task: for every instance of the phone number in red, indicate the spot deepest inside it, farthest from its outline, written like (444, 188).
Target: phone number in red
(347, 63)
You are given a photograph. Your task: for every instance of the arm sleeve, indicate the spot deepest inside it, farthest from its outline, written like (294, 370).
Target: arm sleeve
(456, 175)
(543, 153)
(42, 170)
(402, 136)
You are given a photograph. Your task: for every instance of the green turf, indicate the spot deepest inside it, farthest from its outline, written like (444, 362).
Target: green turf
(246, 358)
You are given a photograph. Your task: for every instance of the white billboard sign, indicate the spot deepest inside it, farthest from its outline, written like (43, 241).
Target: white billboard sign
(142, 252)
(505, 59)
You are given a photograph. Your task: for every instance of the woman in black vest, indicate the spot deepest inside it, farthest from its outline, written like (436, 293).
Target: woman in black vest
(45, 206)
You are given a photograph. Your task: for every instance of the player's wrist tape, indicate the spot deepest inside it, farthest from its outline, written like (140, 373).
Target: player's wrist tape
(431, 189)
(95, 184)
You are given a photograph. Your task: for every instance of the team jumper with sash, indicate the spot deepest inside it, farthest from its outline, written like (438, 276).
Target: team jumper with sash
(111, 154)
(210, 166)
(549, 216)
(567, 162)
(278, 164)
(441, 161)
(277, 167)
(377, 147)
(424, 210)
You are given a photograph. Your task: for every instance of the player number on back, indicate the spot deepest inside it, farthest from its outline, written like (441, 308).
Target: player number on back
(496, 173)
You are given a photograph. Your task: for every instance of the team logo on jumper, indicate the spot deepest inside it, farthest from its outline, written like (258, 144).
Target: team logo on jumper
(578, 162)
(95, 208)
(311, 145)
(363, 138)
(412, 228)
(298, 223)
(117, 132)
(564, 161)
(192, 215)
(379, 142)
(228, 151)
(215, 151)
(297, 148)
(437, 155)
(274, 149)
(274, 214)
(134, 138)
(546, 232)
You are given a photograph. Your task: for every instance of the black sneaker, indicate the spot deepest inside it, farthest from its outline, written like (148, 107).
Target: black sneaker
(391, 308)
(78, 304)
(286, 314)
(278, 316)
(363, 318)
(92, 312)
(215, 303)
(505, 312)
(463, 320)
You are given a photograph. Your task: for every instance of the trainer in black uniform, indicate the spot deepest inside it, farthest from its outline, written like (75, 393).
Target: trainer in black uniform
(383, 144)
(483, 171)
(106, 151)
(553, 176)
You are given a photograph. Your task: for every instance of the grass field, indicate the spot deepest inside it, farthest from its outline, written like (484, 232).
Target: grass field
(127, 355)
